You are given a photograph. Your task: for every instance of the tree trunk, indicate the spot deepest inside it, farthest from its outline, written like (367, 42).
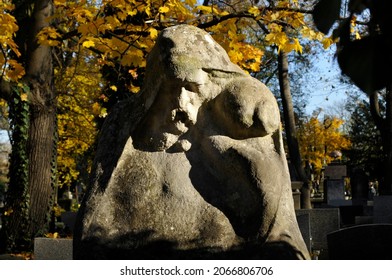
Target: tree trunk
(290, 128)
(386, 187)
(384, 125)
(36, 203)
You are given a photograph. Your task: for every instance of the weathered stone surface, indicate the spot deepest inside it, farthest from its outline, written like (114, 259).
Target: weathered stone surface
(193, 167)
(52, 249)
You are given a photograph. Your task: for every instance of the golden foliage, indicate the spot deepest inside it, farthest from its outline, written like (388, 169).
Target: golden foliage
(318, 139)
(10, 69)
(79, 91)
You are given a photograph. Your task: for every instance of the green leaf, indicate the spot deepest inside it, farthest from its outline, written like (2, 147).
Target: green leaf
(325, 13)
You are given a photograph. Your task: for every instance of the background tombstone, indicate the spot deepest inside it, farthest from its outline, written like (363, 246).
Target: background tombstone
(364, 242)
(359, 186)
(334, 185)
(322, 222)
(382, 209)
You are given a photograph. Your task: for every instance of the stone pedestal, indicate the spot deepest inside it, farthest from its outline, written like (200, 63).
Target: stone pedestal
(52, 248)
(296, 189)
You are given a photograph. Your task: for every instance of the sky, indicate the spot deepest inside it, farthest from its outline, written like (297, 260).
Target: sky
(323, 84)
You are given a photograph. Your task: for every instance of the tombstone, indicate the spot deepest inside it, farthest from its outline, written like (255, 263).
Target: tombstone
(334, 185)
(382, 209)
(364, 242)
(334, 192)
(208, 179)
(304, 226)
(52, 248)
(322, 222)
(359, 186)
(335, 171)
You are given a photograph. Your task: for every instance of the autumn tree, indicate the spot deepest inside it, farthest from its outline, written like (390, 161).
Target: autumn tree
(319, 139)
(27, 85)
(80, 100)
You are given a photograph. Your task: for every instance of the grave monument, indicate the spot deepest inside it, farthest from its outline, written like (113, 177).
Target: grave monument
(193, 167)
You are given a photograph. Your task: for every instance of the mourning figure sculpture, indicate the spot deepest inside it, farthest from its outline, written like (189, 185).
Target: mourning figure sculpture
(192, 167)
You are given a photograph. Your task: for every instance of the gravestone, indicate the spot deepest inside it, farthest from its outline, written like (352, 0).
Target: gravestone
(193, 167)
(52, 248)
(359, 187)
(364, 242)
(322, 222)
(335, 171)
(334, 185)
(382, 209)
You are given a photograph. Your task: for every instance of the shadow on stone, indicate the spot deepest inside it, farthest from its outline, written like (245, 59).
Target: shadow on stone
(167, 250)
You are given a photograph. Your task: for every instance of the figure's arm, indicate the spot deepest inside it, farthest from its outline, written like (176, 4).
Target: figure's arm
(246, 109)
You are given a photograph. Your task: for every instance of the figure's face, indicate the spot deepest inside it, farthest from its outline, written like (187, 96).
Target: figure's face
(174, 111)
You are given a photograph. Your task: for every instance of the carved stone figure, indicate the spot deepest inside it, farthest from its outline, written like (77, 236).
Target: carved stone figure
(193, 167)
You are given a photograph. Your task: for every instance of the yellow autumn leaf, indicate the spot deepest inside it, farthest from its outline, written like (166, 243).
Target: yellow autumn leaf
(279, 38)
(103, 113)
(59, 3)
(48, 36)
(327, 42)
(8, 212)
(254, 11)
(191, 2)
(297, 46)
(23, 97)
(88, 44)
(16, 70)
(164, 10)
(96, 109)
(208, 9)
(52, 235)
(134, 89)
(153, 33)
(113, 87)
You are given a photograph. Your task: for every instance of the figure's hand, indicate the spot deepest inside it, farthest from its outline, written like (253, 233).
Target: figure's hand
(246, 109)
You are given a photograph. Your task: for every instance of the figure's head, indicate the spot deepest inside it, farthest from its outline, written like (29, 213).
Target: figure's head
(185, 69)
(189, 55)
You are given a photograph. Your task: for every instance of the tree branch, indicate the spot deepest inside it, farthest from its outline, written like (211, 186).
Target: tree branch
(245, 14)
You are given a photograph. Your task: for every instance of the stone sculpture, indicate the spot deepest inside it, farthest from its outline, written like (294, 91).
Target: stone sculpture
(193, 167)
